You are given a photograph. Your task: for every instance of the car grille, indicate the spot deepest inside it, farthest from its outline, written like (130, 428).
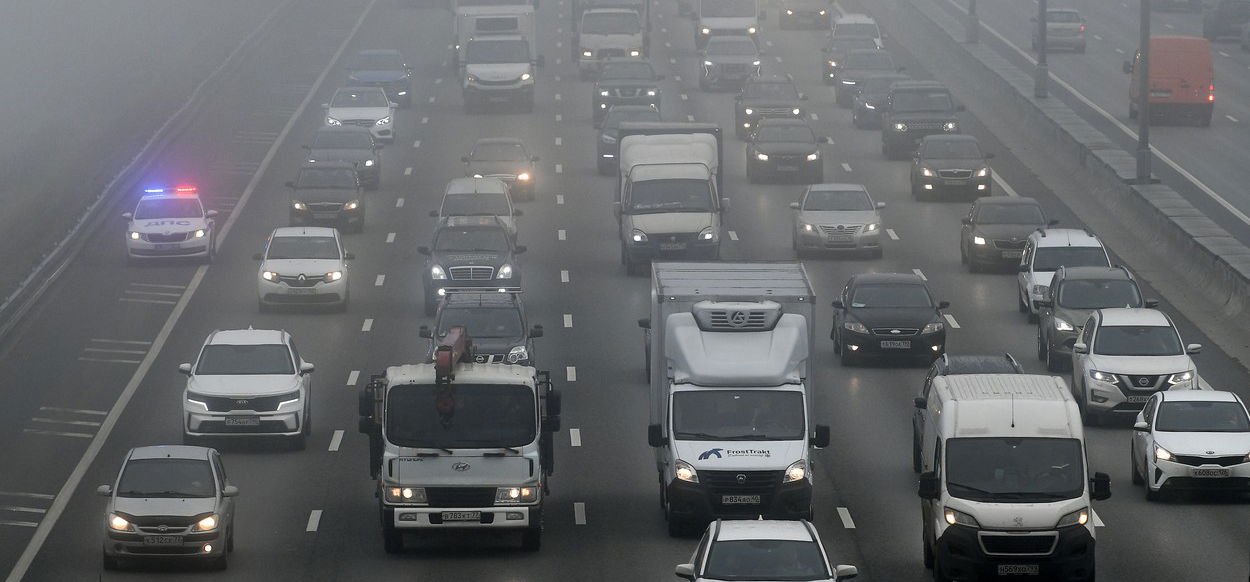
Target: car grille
(1194, 460)
(460, 496)
(325, 206)
(471, 273)
(360, 122)
(842, 233)
(718, 483)
(300, 280)
(787, 160)
(485, 82)
(1139, 382)
(733, 68)
(774, 111)
(902, 331)
(627, 92)
(955, 174)
(165, 238)
(1009, 244)
(1008, 544)
(153, 522)
(258, 404)
(609, 52)
(924, 125)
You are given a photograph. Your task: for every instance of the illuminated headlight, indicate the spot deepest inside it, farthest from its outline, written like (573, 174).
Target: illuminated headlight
(900, 127)
(751, 30)
(603, 106)
(477, 175)
(525, 76)
(333, 276)
(813, 156)
(685, 471)
(1078, 517)
(639, 237)
(471, 78)
(1175, 379)
(405, 494)
(402, 93)
(854, 326)
(505, 272)
(437, 273)
(870, 106)
(588, 54)
(200, 233)
(518, 354)
(933, 327)
(761, 157)
(605, 138)
(191, 399)
(1162, 454)
(796, 471)
(368, 163)
(1102, 376)
(748, 111)
(651, 92)
(635, 53)
(1062, 325)
(983, 172)
(789, 12)
(954, 516)
(845, 82)
(707, 234)
(516, 495)
(808, 227)
(978, 240)
(119, 523)
(705, 30)
(523, 176)
(207, 523)
(288, 398)
(603, 93)
(269, 275)
(708, 64)
(333, 121)
(1040, 289)
(384, 121)
(926, 172)
(872, 227)
(354, 204)
(135, 236)
(822, 12)
(296, 204)
(796, 111)
(950, 126)
(755, 63)
(833, 63)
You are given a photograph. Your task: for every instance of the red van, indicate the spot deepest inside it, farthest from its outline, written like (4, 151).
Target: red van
(1182, 79)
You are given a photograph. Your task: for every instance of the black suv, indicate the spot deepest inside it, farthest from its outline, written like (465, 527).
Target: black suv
(833, 54)
(496, 322)
(625, 81)
(912, 110)
(858, 65)
(996, 229)
(469, 252)
(785, 147)
(950, 165)
(1225, 18)
(609, 147)
(866, 110)
(949, 365)
(1074, 294)
(766, 96)
(328, 193)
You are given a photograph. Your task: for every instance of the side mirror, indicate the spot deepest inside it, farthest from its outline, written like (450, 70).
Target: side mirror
(1193, 348)
(1080, 348)
(880, 205)
(1100, 487)
(845, 572)
(644, 323)
(184, 369)
(821, 439)
(519, 249)
(464, 159)
(1045, 303)
(685, 571)
(1052, 222)
(920, 402)
(1127, 67)
(424, 332)
(229, 491)
(551, 423)
(104, 490)
(424, 251)
(258, 257)
(433, 214)
(555, 402)
(930, 487)
(1023, 268)
(1150, 303)
(536, 331)
(794, 205)
(349, 256)
(306, 368)
(290, 184)
(1141, 425)
(128, 215)
(943, 304)
(837, 304)
(989, 156)
(965, 220)
(655, 436)
(211, 214)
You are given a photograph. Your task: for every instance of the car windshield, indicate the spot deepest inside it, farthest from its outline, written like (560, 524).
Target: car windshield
(1066, 16)
(610, 23)
(897, 295)
(1138, 340)
(169, 208)
(498, 152)
(874, 60)
(866, 29)
(303, 247)
(1098, 294)
(343, 140)
(1051, 258)
(846, 45)
(167, 478)
(471, 239)
(1014, 470)
(627, 71)
(834, 200)
(950, 149)
(738, 415)
(482, 321)
(785, 133)
(244, 360)
(343, 178)
(1010, 214)
(1201, 416)
(652, 196)
(476, 205)
(497, 52)
(741, 47)
(359, 98)
(461, 416)
(916, 101)
(880, 84)
(380, 61)
(728, 8)
(765, 560)
(773, 91)
(616, 116)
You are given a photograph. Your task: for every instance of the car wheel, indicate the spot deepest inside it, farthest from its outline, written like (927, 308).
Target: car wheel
(1041, 347)
(1088, 417)
(212, 251)
(110, 563)
(926, 551)
(1054, 363)
(605, 168)
(751, 174)
(915, 455)
(263, 307)
(938, 574)
(532, 538)
(307, 420)
(677, 528)
(392, 539)
(298, 442)
(876, 253)
(837, 345)
(230, 540)
(1152, 495)
(1136, 476)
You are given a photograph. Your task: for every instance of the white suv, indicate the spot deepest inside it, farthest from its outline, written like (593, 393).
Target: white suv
(303, 264)
(366, 107)
(1124, 356)
(1045, 251)
(248, 382)
(170, 222)
(762, 550)
(1196, 439)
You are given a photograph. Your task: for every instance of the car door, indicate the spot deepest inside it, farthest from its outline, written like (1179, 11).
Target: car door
(227, 503)
(1143, 440)
(1022, 276)
(1079, 360)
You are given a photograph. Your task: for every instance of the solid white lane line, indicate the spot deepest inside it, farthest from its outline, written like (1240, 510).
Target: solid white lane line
(1097, 520)
(77, 435)
(575, 436)
(559, 198)
(108, 351)
(846, 167)
(69, 422)
(689, 118)
(1004, 186)
(684, 97)
(314, 520)
(399, 203)
(579, 513)
(108, 360)
(27, 495)
(116, 341)
(407, 171)
(559, 168)
(845, 515)
(950, 320)
(335, 441)
(1231, 118)
(733, 235)
(568, 320)
(379, 281)
(353, 377)
(367, 325)
(570, 373)
(893, 235)
(815, 117)
(560, 234)
(564, 276)
(559, 141)
(416, 143)
(920, 274)
(559, 117)
(557, 96)
(69, 410)
(390, 237)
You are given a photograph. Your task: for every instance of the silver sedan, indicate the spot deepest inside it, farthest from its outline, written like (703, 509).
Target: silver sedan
(837, 217)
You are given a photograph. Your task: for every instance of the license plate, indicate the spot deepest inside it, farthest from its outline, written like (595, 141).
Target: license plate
(242, 421)
(325, 216)
(1165, 93)
(1013, 254)
(896, 344)
(301, 291)
(162, 540)
(740, 499)
(673, 246)
(462, 516)
(1018, 569)
(167, 246)
(1209, 473)
(498, 98)
(1137, 398)
(956, 182)
(787, 168)
(838, 239)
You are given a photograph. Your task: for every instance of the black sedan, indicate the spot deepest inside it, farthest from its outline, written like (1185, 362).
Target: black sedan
(833, 54)
(887, 314)
(996, 229)
(866, 110)
(609, 133)
(855, 68)
(785, 147)
(949, 165)
(351, 144)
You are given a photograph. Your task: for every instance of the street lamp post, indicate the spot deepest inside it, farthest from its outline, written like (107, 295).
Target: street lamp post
(1041, 74)
(973, 32)
(1143, 96)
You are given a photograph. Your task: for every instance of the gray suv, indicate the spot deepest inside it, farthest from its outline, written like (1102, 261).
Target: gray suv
(1074, 293)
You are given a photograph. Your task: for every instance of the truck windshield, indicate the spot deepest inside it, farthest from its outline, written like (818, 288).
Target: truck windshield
(655, 196)
(1014, 470)
(469, 416)
(738, 415)
(728, 8)
(610, 23)
(496, 52)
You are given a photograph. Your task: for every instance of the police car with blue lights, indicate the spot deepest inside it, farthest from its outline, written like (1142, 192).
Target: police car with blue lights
(170, 223)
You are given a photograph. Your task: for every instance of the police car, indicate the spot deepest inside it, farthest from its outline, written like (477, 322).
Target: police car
(170, 222)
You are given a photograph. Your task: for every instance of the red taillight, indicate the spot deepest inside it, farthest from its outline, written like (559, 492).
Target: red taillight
(1082, 28)
(1211, 92)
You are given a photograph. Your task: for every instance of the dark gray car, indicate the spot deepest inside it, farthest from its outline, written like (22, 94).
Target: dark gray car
(728, 61)
(328, 193)
(1074, 293)
(351, 144)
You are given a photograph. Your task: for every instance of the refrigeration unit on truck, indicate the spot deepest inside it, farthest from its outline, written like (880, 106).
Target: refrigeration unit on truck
(456, 445)
(475, 21)
(729, 359)
(669, 200)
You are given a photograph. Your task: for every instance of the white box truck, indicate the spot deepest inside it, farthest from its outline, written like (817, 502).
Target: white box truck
(729, 358)
(473, 21)
(607, 33)
(1005, 488)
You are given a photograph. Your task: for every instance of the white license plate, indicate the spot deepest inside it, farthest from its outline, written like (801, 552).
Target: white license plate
(301, 291)
(671, 246)
(1209, 473)
(1013, 254)
(896, 344)
(787, 168)
(498, 98)
(167, 246)
(740, 499)
(325, 216)
(462, 516)
(242, 421)
(162, 540)
(956, 182)
(1018, 569)
(1137, 398)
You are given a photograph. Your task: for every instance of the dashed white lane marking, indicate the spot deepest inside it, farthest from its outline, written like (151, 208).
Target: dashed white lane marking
(677, 78)
(559, 168)
(72, 411)
(684, 97)
(920, 274)
(431, 99)
(112, 351)
(568, 320)
(893, 235)
(115, 341)
(77, 435)
(44, 496)
(564, 276)
(335, 441)
(438, 81)
(314, 520)
(561, 234)
(390, 237)
(579, 513)
(846, 167)
(557, 78)
(557, 96)
(559, 44)
(733, 235)
(559, 141)
(399, 203)
(1004, 186)
(559, 117)
(425, 120)
(845, 515)
(663, 30)
(18, 523)
(950, 319)
(778, 59)
(407, 171)
(416, 144)
(672, 61)
(815, 117)
(1099, 37)
(575, 437)
(1097, 520)
(1165, 25)
(1224, 54)
(1231, 118)
(353, 377)
(570, 373)
(668, 44)
(367, 325)
(690, 118)
(59, 421)
(379, 281)
(559, 198)
(558, 60)
(768, 43)
(108, 360)
(1119, 50)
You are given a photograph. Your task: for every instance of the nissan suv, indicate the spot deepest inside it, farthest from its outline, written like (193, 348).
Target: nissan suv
(473, 252)
(764, 97)
(1074, 293)
(912, 110)
(496, 321)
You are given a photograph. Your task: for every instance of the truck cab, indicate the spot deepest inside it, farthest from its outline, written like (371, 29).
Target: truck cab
(606, 33)
(726, 17)
(499, 68)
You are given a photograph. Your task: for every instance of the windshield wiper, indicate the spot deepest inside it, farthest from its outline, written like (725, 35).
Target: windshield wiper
(429, 454)
(512, 450)
(698, 435)
(971, 488)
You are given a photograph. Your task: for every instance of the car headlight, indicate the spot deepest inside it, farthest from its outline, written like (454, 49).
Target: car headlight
(707, 234)
(523, 176)
(1102, 376)
(956, 517)
(333, 276)
(950, 126)
(477, 175)
(384, 121)
(652, 93)
(822, 12)
(1175, 379)
(1162, 454)
(119, 523)
(755, 63)
(200, 233)
(606, 138)
(437, 273)
(808, 227)
(983, 172)
(207, 523)
(847, 82)
(135, 236)
(789, 12)
(588, 54)
(471, 78)
(761, 157)
(978, 240)
(705, 30)
(869, 106)
(505, 272)
(269, 275)
(796, 111)
(1063, 325)
(635, 53)
(1040, 289)
(685, 471)
(603, 93)
(708, 64)
(296, 204)
(899, 127)
(368, 163)
(516, 495)
(1078, 517)
(405, 494)
(526, 76)
(352, 205)
(332, 121)
(796, 471)
(926, 172)
(518, 354)
(748, 111)
(872, 227)
(854, 326)
(813, 156)
(751, 30)
(833, 64)
(933, 327)
(639, 237)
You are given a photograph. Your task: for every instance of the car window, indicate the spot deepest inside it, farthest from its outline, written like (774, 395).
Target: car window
(246, 359)
(1010, 214)
(880, 84)
(785, 133)
(221, 470)
(349, 98)
(303, 247)
(485, 323)
(1087, 332)
(835, 200)
(774, 91)
(765, 560)
(499, 152)
(1015, 469)
(903, 295)
(918, 101)
(677, 195)
(159, 208)
(1148, 412)
(1051, 258)
(950, 149)
(1138, 340)
(295, 352)
(481, 204)
(172, 478)
(846, 45)
(1182, 416)
(1098, 294)
(727, 8)
(737, 415)
(471, 239)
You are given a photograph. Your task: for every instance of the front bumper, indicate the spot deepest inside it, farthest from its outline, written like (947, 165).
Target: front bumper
(649, 251)
(435, 289)
(276, 292)
(779, 168)
(189, 545)
(928, 345)
(201, 423)
(695, 502)
(962, 555)
(1174, 476)
(1113, 398)
(820, 239)
(430, 518)
(991, 253)
(974, 186)
(192, 247)
(499, 93)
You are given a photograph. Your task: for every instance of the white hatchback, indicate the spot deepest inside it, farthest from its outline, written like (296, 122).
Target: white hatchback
(364, 107)
(303, 265)
(1196, 439)
(759, 550)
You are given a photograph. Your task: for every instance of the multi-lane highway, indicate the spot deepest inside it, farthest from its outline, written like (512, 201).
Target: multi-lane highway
(93, 372)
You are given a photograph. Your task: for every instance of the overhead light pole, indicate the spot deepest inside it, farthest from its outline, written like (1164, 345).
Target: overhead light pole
(1143, 96)
(973, 30)
(1041, 73)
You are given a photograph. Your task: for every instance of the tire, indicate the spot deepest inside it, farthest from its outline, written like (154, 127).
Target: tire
(915, 457)
(263, 307)
(1032, 316)
(927, 552)
(1054, 363)
(1088, 417)
(109, 562)
(431, 304)
(219, 564)
(1152, 495)
(230, 540)
(876, 253)
(938, 574)
(1136, 477)
(837, 345)
(392, 539)
(1021, 306)
(1042, 350)
(605, 168)
(532, 538)
(974, 266)
(751, 177)
(298, 442)
(212, 252)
